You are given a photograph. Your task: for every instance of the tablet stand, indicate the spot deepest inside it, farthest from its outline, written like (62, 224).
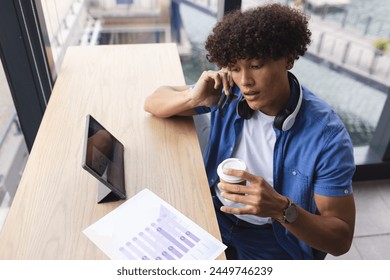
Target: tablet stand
(105, 194)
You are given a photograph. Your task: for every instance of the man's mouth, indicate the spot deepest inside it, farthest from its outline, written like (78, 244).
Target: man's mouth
(251, 95)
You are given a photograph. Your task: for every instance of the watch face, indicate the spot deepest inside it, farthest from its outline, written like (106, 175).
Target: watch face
(291, 214)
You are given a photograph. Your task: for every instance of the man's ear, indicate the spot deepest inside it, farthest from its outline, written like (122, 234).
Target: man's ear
(290, 59)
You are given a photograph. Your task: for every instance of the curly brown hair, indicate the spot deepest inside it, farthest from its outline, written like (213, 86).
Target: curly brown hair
(266, 32)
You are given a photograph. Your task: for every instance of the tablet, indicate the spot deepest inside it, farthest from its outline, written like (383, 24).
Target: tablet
(103, 157)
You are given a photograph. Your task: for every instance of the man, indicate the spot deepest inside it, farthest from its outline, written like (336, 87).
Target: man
(298, 201)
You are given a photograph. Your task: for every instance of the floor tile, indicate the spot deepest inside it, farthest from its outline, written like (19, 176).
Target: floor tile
(352, 254)
(372, 209)
(374, 247)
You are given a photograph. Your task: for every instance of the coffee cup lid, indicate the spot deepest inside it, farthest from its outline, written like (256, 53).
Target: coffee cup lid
(231, 163)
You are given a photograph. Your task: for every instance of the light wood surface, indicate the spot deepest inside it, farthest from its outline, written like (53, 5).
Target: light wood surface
(56, 198)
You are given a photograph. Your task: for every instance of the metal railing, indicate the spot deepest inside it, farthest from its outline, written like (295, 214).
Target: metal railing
(346, 52)
(13, 155)
(366, 24)
(124, 8)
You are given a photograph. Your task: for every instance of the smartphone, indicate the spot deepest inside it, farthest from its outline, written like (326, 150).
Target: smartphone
(224, 102)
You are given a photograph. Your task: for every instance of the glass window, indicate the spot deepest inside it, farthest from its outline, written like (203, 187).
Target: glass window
(358, 104)
(65, 21)
(349, 66)
(13, 150)
(94, 22)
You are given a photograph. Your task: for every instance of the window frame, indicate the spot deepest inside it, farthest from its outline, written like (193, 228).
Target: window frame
(26, 59)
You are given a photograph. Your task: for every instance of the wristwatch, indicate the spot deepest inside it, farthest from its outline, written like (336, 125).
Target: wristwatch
(290, 213)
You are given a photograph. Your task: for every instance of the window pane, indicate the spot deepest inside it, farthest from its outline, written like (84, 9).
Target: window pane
(13, 150)
(65, 22)
(357, 104)
(94, 22)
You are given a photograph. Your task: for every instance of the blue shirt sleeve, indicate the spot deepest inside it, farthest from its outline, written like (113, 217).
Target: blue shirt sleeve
(336, 166)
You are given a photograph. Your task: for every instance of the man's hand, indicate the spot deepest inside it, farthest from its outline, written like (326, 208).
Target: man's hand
(259, 197)
(207, 90)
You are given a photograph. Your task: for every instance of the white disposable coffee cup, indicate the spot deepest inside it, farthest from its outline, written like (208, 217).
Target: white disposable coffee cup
(231, 163)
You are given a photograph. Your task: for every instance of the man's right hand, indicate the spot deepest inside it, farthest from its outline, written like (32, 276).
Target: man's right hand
(208, 89)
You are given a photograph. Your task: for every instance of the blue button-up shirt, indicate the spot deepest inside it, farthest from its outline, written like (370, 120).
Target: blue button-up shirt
(314, 157)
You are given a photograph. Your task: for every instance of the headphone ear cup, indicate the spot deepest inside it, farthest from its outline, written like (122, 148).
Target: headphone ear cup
(288, 122)
(243, 109)
(280, 118)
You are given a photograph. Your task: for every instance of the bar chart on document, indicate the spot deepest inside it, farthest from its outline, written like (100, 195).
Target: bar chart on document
(147, 228)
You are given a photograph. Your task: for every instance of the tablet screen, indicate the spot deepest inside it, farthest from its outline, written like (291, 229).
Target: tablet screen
(104, 157)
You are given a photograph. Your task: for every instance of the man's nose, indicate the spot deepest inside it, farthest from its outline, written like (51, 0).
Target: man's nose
(246, 79)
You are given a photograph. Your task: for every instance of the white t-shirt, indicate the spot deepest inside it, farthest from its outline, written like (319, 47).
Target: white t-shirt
(256, 148)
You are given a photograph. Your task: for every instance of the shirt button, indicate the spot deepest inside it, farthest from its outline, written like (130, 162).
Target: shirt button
(346, 191)
(212, 180)
(294, 173)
